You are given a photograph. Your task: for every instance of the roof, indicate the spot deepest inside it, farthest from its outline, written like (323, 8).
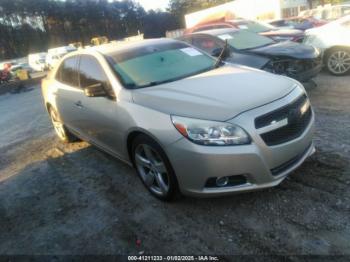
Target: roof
(110, 48)
(217, 31)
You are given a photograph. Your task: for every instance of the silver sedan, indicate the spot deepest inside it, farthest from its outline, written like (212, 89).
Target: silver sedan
(187, 122)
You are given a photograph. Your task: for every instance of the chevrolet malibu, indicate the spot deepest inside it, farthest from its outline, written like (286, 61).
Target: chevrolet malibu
(187, 122)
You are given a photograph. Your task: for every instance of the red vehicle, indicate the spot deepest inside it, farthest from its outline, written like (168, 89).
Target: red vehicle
(254, 26)
(300, 23)
(5, 74)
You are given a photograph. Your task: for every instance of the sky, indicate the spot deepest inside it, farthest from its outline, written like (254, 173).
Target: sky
(154, 4)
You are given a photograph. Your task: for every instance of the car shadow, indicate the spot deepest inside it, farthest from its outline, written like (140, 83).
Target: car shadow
(80, 200)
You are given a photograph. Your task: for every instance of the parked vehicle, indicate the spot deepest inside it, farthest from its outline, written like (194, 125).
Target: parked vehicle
(333, 40)
(37, 61)
(55, 54)
(328, 12)
(12, 69)
(336, 11)
(300, 23)
(331, 13)
(246, 48)
(185, 121)
(253, 26)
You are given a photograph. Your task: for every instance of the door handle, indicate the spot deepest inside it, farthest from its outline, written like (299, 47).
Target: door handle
(79, 104)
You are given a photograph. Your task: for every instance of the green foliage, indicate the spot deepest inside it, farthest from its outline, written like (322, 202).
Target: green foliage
(35, 25)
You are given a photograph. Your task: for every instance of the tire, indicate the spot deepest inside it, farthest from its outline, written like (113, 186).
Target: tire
(61, 131)
(337, 61)
(154, 168)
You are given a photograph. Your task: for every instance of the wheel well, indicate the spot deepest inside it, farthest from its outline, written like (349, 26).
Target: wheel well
(129, 141)
(132, 136)
(326, 53)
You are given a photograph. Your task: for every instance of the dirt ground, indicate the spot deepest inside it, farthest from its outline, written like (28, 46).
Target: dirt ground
(74, 199)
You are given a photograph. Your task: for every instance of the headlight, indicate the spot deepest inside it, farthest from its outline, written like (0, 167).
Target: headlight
(210, 133)
(309, 39)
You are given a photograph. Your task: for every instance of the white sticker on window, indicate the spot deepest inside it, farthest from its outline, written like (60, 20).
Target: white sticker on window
(243, 27)
(226, 37)
(191, 51)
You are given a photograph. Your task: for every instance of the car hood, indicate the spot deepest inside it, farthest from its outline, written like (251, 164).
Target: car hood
(287, 49)
(283, 32)
(219, 94)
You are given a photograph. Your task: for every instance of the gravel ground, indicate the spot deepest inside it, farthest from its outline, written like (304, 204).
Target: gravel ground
(74, 199)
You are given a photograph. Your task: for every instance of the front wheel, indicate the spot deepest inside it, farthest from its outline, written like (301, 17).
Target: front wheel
(338, 61)
(154, 168)
(62, 132)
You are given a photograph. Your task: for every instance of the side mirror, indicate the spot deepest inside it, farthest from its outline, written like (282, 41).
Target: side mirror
(217, 52)
(96, 90)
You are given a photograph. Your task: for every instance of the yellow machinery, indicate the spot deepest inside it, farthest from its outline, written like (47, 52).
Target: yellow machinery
(22, 74)
(99, 40)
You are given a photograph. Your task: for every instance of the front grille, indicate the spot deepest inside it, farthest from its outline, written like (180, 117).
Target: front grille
(297, 122)
(287, 165)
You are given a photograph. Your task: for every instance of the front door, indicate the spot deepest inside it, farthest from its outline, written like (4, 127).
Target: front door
(67, 93)
(100, 117)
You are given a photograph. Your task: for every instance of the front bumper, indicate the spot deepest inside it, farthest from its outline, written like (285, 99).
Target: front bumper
(300, 70)
(263, 166)
(307, 75)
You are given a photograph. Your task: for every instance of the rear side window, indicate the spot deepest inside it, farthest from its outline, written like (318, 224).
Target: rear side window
(92, 73)
(67, 73)
(208, 44)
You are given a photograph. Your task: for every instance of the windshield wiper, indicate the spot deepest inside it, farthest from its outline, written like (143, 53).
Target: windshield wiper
(221, 56)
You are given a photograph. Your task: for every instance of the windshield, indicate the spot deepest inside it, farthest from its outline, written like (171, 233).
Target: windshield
(244, 39)
(254, 26)
(157, 64)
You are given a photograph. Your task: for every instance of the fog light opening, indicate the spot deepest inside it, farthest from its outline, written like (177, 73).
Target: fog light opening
(227, 181)
(222, 181)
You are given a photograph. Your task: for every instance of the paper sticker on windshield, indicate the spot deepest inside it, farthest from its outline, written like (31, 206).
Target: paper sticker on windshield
(191, 51)
(226, 37)
(243, 27)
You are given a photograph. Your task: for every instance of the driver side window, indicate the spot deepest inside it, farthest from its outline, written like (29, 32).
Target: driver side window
(92, 73)
(67, 73)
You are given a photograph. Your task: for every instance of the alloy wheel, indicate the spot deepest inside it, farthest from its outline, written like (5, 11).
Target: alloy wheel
(152, 169)
(339, 62)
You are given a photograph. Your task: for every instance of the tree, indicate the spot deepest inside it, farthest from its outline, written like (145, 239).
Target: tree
(156, 23)
(36, 25)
